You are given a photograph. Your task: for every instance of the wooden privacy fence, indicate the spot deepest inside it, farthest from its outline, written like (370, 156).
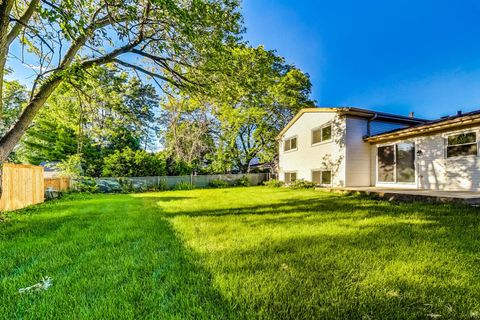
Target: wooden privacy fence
(22, 186)
(57, 184)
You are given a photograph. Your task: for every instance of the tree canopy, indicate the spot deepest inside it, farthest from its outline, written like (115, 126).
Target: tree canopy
(173, 42)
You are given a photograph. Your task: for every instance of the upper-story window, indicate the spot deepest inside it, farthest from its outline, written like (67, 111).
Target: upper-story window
(322, 134)
(464, 144)
(290, 144)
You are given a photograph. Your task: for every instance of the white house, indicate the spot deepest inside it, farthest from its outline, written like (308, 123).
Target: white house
(352, 147)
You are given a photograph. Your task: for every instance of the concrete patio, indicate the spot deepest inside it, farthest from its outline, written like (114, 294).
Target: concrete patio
(394, 194)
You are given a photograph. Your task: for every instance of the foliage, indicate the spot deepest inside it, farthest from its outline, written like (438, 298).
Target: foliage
(106, 112)
(302, 184)
(177, 166)
(273, 183)
(218, 183)
(14, 100)
(71, 167)
(315, 255)
(242, 182)
(255, 97)
(183, 185)
(175, 42)
(134, 163)
(186, 132)
(85, 185)
(126, 186)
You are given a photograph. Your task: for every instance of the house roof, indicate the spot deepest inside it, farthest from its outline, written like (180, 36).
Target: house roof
(443, 124)
(352, 111)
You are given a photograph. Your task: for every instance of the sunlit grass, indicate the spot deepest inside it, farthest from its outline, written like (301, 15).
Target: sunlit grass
(240, 253)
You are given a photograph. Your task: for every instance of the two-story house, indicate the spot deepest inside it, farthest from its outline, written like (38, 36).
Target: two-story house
(352, 147)
(325, 145)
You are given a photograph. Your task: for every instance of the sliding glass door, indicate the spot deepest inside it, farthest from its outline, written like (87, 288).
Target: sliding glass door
(396, 163)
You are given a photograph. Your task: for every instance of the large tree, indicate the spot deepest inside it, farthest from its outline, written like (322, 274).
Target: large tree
(168, 40)
(108, 111)
(257, 94)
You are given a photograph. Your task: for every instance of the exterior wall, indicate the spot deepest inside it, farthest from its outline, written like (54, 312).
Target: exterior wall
(377, 126)
(358, 159)
(323, 156)
(435, 171)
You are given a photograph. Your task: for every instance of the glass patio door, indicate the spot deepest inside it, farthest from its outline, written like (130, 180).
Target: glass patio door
(396, 163)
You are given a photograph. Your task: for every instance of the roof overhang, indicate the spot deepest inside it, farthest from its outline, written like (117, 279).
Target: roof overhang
(426, 129)
(355, 112)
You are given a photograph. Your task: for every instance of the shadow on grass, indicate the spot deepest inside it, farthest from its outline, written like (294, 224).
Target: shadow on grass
(109, 259)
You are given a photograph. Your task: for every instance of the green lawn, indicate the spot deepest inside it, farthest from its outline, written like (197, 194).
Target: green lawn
(240, 253)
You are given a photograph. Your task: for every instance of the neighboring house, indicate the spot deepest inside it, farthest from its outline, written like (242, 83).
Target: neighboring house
(50, 169)
(351, 147)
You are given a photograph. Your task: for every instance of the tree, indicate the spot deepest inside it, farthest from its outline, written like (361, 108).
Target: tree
(14, 99)
(130, 163)
(66, 38)
(107, 111)
(256, 96)
(186, 133)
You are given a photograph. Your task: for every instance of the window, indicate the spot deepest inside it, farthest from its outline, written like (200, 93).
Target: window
(386, 164)
(463, 144)
(290, 177)
(290, 144)
(322, 134)
(322, 177)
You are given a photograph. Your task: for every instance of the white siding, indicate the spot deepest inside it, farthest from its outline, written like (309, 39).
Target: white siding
(358, 158)
(308, 157)
(436, 172)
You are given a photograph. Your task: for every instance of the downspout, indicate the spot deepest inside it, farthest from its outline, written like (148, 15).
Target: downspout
(369, 131)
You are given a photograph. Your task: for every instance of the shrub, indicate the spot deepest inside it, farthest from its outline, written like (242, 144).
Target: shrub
(88, 185)
(242, 182)
(273, 183)
(126, 185)
(301, 184)
(184, 185)
(130, 163)
(218, 183)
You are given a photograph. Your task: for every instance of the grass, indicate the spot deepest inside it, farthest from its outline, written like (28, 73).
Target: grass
(240, 253)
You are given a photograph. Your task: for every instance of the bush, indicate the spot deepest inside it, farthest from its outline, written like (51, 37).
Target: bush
(126, 185)
(87, 185)
(218, 183)
(302, 184)
(242, 182)
(273, 183)
(130, 163)
(184, 185)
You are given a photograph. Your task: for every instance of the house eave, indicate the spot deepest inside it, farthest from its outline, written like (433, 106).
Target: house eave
(427, 129)
(352, 111)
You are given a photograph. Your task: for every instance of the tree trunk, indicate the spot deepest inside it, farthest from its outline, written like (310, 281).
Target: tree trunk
(5, 9)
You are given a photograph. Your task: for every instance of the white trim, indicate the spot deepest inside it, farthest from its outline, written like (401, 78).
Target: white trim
(288, 139)
(321, 175)
(456, 133)
(328, 124)
(395, 183)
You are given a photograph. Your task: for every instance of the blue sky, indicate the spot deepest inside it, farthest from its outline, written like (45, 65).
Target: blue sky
(393, 56)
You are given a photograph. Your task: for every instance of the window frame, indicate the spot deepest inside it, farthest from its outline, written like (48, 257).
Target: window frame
(289, 139)
(321, 177)
(446, 145)
(328, 124)
(289, 172)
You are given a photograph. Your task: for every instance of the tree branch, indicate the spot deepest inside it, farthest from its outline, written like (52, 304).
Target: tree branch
(22, 21)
